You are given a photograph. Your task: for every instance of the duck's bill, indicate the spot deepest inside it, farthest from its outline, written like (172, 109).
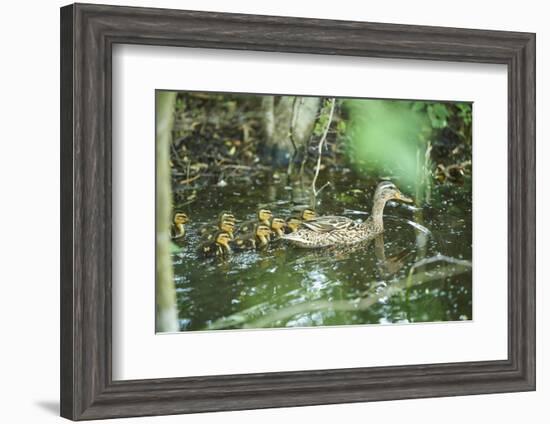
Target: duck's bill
(400, 196)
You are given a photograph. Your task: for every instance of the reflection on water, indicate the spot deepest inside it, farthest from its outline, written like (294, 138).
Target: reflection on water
(417, 271)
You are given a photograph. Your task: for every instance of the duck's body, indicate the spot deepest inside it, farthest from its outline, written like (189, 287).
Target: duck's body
(328, 231)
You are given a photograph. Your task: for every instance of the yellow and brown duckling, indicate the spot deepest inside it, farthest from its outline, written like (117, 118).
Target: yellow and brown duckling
(305, 214)
(217, 247)
(263, 216)
(226, 216)
(294, 222)
(224, 219)
(227, 226)
(257, 239)
(177, 230)
(278, 226)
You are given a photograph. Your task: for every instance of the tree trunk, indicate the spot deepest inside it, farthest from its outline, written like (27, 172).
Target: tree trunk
(279, 118)
(165, 291)
(268, 117)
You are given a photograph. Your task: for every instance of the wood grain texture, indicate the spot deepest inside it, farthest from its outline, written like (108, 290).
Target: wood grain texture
(88, 33)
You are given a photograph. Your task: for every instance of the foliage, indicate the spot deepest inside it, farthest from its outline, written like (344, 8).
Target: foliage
(322, 119)
(450, 125)
(385, 137)
(402, 139)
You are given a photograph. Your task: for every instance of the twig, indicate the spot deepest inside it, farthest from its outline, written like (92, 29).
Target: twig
(189, 180)
(305, 155)
(324, 185)
(321, 145)
(178, 159)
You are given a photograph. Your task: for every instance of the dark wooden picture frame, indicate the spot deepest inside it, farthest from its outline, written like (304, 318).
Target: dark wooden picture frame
(88, 33)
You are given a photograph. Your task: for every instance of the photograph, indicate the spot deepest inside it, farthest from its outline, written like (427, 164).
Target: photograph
(285, 211)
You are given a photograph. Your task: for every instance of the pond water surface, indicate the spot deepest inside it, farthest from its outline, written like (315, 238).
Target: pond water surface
(419, 270)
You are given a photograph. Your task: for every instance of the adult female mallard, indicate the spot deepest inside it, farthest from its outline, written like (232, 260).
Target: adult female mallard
(258, 239)
(177, 230)
(263, 216)
(338, 230)
(219, 246)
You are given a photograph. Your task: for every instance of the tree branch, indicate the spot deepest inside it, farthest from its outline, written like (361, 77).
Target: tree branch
(321, 145)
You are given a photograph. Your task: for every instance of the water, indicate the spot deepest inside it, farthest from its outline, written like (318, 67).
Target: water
(417, 271)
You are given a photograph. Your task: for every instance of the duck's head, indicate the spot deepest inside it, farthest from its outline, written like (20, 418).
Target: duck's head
(293, 224)
(180, 218)
(227, 226)
(308, 214)
(222, 239)
(264, 215)
(387, 190)
(278, 224)
(226, 216)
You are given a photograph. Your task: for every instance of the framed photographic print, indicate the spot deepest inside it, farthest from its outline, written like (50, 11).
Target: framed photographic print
(263, 211)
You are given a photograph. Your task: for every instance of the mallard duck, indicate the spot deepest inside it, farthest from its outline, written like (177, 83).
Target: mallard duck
(258, 239)
(278, 226)
(339, 230)
(219, 246)
(263, 216)
(224, 219)
(177, 230)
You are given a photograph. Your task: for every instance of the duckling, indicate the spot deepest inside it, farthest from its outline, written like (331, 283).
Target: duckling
(294, 222)
(226, 226)
(226, 215)
(263, 216)
(305, 214)
(278, 226)
(292, 225)
(258, 239)
(218, 247)
(223, 217)
(177, 230)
